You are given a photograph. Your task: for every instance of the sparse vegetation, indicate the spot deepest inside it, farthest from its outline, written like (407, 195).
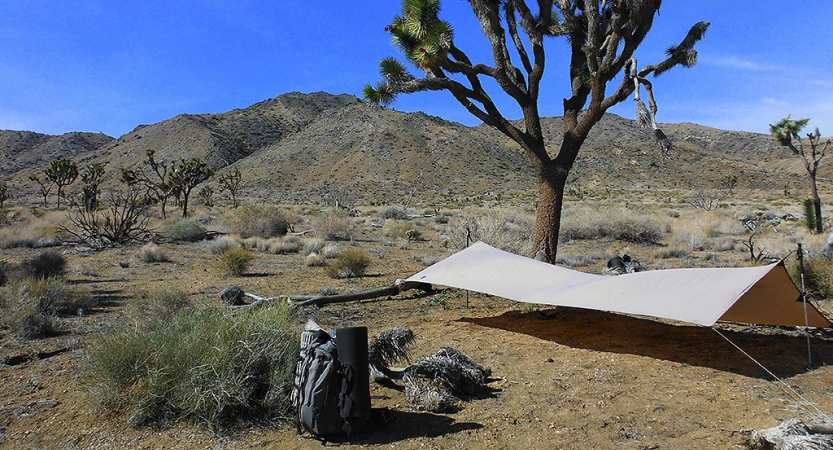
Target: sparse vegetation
(61, 173)
(185, 230)
(235, 261)
(209, 365)
(46, 264)
(151, 253)
(124, 220)
(334, 224)
(262, 220)
(230, 181)
(31, 308)
(350, 263)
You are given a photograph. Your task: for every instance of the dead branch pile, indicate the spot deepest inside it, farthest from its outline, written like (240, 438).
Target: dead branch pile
(793, 434)
(435, 383)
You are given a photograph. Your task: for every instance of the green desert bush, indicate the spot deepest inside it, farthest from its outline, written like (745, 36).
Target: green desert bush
(213, 366)
(262, 220)
(350, 263)
(46, 264)
(185, 230)
(31, 308)
(235, 261)
(818, 277)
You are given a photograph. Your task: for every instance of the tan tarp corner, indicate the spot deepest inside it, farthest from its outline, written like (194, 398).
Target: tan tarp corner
(762, 295)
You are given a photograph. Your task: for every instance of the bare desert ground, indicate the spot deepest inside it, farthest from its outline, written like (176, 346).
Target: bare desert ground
(562, 379)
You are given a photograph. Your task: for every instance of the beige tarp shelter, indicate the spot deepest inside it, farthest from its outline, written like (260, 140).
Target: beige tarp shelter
(762, 295)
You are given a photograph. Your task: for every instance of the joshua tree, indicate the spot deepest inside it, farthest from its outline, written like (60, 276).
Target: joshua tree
(601, 37)
(91, 190)
(186, 176)
(156, 182)
(786, 131)
(4, 193)
(61, 172)
(45, 187)
(230, 181)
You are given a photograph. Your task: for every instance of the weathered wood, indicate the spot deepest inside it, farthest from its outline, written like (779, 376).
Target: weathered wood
(321, 300)
(394, 289)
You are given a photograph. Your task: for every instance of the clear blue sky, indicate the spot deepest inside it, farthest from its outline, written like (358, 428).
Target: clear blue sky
(108, 66)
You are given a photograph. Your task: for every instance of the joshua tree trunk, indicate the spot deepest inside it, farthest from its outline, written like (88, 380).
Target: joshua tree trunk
(816, 204)
(551, 183)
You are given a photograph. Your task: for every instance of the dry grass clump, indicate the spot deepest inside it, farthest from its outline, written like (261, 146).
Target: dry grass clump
(31, 308)
(350, 263)
(235, 262)
(313, 245)
(285, 245)
(151, 253)
(394, 212)
(334, 225)
(611, 224)
(214, 366)
(221, 244)
(153, 307)
(29, 228)
(262, 220)
(508, 229)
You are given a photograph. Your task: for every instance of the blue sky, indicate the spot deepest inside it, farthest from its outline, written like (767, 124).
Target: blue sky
(108, 66)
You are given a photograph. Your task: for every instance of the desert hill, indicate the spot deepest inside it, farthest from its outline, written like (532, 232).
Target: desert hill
(305, 147)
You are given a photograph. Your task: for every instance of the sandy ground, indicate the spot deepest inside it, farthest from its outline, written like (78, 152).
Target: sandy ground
(572, 379)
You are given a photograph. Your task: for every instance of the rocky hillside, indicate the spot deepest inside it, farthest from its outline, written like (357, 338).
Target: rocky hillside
(308, 147)
(25, 151)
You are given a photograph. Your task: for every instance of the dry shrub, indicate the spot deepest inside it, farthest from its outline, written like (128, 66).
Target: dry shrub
(610, 224)
(151, 253)
(285, 245)
(334, 225)
(31, 308)
(29, 229)
(46, 264)
(504, 228)
(314, 260)
(152, 307)
(394, 212)
(313, 245)
(351, 263)
(261, 220)
(223, 243)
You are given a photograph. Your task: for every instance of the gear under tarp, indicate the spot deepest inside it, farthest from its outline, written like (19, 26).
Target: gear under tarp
(760, 295)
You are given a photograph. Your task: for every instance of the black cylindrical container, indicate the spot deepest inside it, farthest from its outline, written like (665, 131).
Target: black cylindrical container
(352, 351)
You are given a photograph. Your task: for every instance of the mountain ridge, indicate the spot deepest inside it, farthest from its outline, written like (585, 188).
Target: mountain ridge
(300, 147)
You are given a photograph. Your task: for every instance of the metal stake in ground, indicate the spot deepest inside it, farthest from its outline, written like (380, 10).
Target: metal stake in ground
(800, 256)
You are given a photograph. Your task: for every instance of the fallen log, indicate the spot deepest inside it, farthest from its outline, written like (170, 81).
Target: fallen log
(233, 295)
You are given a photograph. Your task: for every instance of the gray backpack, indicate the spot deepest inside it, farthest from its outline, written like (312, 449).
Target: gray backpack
(320, 387)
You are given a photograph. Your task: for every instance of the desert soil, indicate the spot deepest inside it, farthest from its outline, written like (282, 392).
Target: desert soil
(575, 379)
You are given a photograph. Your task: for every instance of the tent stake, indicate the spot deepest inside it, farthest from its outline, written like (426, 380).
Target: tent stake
(800, 256)
(468, 241)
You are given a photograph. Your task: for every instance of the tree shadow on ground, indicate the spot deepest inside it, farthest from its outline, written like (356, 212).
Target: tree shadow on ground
(784, 355)
(402, 425)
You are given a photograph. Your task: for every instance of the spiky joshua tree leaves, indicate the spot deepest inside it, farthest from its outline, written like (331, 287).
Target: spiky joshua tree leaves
(786, 132)
(601, 38)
